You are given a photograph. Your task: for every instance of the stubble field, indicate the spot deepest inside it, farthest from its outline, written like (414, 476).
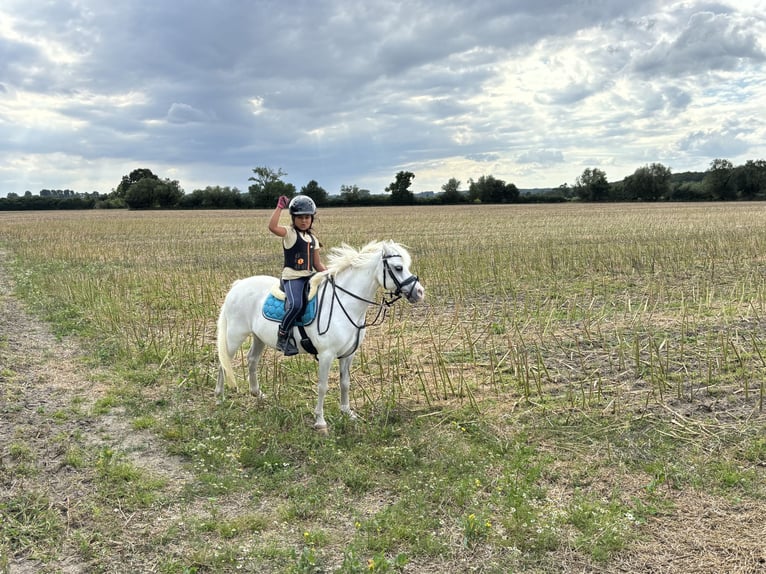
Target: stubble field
(582, 391)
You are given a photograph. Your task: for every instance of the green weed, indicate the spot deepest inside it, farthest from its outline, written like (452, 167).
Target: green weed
(32, 524)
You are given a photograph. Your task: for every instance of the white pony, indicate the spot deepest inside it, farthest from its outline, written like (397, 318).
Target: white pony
(343, 294)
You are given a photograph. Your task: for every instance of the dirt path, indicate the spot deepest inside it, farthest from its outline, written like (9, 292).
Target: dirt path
(51, 434)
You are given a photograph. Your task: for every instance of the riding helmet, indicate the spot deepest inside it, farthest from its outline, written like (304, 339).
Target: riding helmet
(302, 205)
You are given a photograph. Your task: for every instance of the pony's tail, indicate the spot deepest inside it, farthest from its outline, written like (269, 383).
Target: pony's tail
(223, 346)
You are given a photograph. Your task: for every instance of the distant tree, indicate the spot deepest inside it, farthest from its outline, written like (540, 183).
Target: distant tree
(315, 192)
(684, 190)
(352, 195)
(400, 189)
(268, 186)
(592, 185)
(648, 183)
(750, 179)
(452, 193)
(719, 182)
(565, 191)
(489, 189)
(150, 193)
(215, 197)
(128, 180)
(265, 176)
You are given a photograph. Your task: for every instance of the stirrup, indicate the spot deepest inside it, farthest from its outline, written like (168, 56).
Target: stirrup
(290, 348)
(286, 344)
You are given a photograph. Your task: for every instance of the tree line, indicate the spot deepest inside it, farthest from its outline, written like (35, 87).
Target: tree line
(142, 189)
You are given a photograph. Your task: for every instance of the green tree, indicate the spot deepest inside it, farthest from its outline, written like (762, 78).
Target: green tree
(352, 195)
(400, 189)
(150, 193)
(565, 191)
(265, 176)
(452, 193)
(128, 180)
(648, 183)
(117, 198)
(489, 189)
(215, 197)
(750, 179)
(268, 186)
(315, 192)
(719, 182)
(592, 185)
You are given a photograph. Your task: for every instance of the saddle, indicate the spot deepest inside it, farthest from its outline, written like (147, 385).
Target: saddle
(274, 306)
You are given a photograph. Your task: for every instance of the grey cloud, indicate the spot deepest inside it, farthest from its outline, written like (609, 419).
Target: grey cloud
(19, 64)
(727, 141)
(180, 113)
(663, 99)
(577, 90)
(483, 157)
(708, 42)
(541, 156)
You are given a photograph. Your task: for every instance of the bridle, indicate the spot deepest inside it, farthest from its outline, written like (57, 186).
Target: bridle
(389, 298)
(396, 295)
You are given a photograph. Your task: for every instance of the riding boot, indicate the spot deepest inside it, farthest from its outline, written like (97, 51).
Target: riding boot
(281, 340)
(285, 344)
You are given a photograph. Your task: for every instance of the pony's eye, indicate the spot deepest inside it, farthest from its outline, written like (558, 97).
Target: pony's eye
(398, 267)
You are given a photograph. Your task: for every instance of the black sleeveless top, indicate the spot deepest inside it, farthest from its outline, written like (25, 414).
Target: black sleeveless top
(301, 255)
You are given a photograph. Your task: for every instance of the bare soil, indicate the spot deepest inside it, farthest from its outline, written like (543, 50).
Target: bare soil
(48, 391)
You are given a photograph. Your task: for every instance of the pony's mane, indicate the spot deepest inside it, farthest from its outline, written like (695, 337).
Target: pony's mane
(345, 256)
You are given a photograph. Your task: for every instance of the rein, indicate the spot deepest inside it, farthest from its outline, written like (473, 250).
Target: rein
(389, 298)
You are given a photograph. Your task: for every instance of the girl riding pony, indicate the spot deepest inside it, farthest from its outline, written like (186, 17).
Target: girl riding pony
(301, 250)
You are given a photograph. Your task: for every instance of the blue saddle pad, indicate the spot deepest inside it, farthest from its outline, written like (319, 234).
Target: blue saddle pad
(274, 310)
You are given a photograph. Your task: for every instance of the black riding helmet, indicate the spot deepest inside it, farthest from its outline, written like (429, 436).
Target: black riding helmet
(302, 205)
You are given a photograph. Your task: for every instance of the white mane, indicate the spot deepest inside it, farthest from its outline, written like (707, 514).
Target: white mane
(345, 256)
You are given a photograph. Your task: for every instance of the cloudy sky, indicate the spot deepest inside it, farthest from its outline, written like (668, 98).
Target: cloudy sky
(351, 92)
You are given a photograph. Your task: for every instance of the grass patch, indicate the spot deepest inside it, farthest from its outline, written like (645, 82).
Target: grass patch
(31, 525)
(604, 526)
(124, 483)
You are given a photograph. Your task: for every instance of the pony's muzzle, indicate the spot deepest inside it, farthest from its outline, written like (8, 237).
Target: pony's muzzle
(417, 293)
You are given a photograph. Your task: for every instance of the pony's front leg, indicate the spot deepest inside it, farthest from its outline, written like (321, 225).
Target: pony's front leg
(325, 361)
(253, 358)
(345, 385)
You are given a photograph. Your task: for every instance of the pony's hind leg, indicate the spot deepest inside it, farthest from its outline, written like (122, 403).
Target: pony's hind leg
(220, 385)
(253, 358)
(345, 384)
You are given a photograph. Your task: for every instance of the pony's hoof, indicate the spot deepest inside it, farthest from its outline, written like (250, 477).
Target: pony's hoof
(260, 395)
(322, 429)
(348, 411)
